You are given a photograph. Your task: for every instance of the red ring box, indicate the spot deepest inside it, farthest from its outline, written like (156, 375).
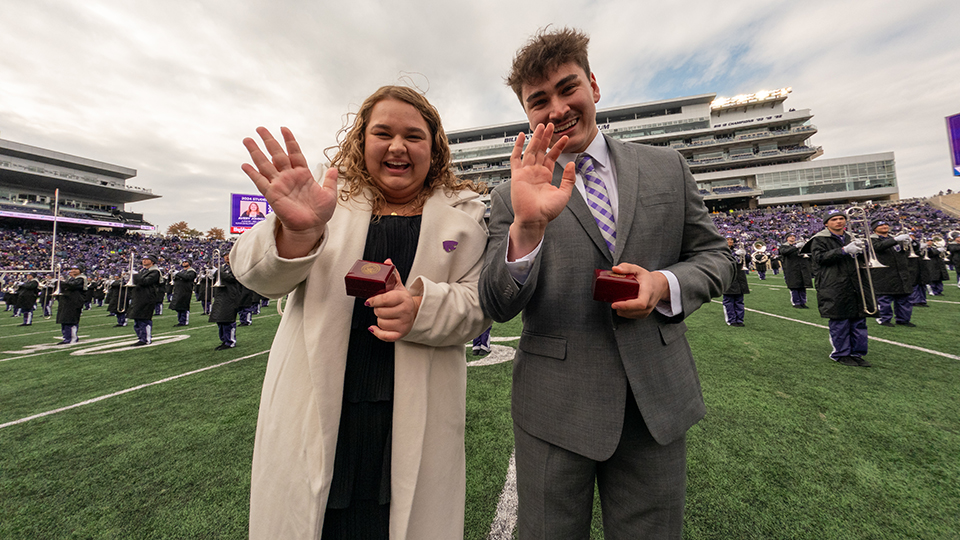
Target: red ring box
(609, 286)
(368, 278)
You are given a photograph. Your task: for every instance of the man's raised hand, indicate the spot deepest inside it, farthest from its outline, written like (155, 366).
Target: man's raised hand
(535, 200)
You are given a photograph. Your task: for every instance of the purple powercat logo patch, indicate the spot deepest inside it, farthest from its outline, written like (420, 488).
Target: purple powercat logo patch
(449, 245)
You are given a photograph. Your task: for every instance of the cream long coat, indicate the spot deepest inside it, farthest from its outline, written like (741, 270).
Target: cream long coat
(300, 407)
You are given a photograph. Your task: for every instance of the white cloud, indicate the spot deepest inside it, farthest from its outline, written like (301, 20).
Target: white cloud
(171, 88)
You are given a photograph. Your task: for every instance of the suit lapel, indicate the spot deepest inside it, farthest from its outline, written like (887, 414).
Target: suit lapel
(578, 207)
(627, 166)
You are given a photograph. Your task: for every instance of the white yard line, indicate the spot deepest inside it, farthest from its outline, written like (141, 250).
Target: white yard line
(57, 348)
(506, 518)
(55, 330)
(128, 390)
(881, 340)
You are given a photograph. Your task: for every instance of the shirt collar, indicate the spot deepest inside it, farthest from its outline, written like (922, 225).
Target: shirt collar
(597, 149)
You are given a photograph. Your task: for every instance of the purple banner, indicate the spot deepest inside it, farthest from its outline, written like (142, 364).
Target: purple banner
(953, 136)
(246, 211)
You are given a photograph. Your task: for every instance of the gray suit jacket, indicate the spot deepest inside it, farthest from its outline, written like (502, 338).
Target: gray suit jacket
(576, 356)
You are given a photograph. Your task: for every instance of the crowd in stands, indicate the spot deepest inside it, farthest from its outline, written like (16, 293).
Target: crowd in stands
(772, 225)
(102, 255)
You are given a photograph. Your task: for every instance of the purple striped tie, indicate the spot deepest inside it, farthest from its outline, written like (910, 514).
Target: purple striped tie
(598, 201)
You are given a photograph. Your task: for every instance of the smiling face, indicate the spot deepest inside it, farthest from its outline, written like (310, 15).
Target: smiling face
(567, 97)
(397, 145)
(253, 208)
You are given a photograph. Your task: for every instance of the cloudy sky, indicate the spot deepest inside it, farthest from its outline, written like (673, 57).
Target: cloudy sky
(171, 88)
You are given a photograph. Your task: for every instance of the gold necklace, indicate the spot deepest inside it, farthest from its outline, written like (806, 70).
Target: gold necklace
(403, 208)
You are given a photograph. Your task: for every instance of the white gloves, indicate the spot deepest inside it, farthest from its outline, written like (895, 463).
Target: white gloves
(853, 248)
(741, 252)
(799, 245)
(902, 237)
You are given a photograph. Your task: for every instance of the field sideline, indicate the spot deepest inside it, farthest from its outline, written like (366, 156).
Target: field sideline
(99, 440)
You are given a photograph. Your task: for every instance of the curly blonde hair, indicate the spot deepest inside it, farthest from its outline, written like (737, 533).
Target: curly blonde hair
(349, 159)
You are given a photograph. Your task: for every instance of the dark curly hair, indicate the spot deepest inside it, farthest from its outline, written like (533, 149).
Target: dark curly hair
(544, 53)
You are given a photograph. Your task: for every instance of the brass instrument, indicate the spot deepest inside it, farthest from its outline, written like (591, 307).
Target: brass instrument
(858, 214)
(123, 297)
(759, 255)
(742, 259)
(57, 276)
(939, 242)
(217, 261)
(913, 254)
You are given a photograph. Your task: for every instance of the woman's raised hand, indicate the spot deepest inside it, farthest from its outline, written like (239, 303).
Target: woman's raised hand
(303, 206)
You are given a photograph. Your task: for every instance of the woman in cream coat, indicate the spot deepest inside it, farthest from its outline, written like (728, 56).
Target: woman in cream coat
(429, 318)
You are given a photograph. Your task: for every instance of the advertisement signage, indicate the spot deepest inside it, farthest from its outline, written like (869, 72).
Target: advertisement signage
(77, 221)
(246, 211)
(953, 137)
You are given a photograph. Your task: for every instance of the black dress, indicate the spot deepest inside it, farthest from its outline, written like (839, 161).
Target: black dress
(358, 506)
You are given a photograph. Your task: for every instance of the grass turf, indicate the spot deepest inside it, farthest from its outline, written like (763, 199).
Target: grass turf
(793, 445)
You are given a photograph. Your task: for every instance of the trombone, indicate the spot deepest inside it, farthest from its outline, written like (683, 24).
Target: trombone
(122, 296)
(217, 261)
(57, 275)
(857, 214)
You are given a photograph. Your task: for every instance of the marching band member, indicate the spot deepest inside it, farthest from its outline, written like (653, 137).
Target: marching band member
(835, 270)
(158, 293)
(953, 250)
(760, 260)
(70, 304)
(891, 284)
(9, 297)
(202, 289)
(796, 272)
(733, 309)
(182, 288)
(46, 297)
(775, 262)
(112, 297)
(935, 266)
(27, 294)
(248, 299)
(99, 290)
(918, 277)
(144, 300)
(226, 303)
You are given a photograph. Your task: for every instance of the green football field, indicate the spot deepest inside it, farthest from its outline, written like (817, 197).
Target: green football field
(99, 440)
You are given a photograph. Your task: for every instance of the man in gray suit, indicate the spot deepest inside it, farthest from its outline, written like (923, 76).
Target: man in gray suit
(602, 393)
